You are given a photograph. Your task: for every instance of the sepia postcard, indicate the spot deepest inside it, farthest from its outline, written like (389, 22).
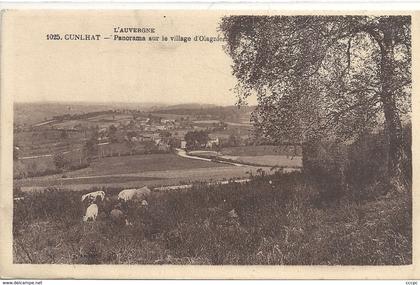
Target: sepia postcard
(172, 144)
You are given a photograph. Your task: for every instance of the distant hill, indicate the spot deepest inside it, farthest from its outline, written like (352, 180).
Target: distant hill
(225, 113)
(31, 113)
(188, 106)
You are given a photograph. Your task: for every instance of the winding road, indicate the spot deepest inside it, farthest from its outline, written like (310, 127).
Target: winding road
(163, 179)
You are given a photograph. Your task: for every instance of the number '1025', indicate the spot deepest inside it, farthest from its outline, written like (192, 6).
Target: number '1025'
(53, 37)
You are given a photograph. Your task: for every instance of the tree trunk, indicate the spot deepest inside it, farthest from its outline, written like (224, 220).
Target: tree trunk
(392, 119)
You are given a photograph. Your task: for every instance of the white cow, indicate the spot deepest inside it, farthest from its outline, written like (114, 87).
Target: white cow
(94, 197)
(134, 194)
(91, 213)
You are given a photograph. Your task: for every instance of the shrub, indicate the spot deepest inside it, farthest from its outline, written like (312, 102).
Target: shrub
(323, 164)
(78, 166)
(60, 161)
(367, 166)
(357, 169)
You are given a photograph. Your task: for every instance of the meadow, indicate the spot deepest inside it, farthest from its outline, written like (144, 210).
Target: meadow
(260, 155)
(43, 142)
(269, 160)
(257, 150)
(142, 163)
(285, 222)
(129, 171)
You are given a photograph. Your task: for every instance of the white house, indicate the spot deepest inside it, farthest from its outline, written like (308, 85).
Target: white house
(213, 142)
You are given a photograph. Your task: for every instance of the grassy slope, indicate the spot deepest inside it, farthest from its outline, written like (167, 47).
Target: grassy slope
(140, 163)
(272, 160)
(151, 169)
(257, 157)
(262, 150)
(148, 162)
(280, 224)
(150, 178)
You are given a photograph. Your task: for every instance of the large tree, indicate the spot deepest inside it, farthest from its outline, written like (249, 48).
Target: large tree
(196, 139)
(323, 76)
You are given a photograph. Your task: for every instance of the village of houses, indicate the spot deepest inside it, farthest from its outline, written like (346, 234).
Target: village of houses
(120, 131)
(72, 141)
(164, 134)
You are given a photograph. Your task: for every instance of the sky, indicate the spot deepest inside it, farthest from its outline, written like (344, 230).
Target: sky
(115, 71)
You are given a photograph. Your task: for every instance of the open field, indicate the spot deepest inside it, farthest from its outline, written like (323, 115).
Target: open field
(269, 160)
(43, 164)
(245, 124)
(255, 155)
(47, 142)
(138, 170)
(281, 223)
(91, 180)
(238, 130)
(149, 178)
(262, 150)
(140, 164)
(100, 121)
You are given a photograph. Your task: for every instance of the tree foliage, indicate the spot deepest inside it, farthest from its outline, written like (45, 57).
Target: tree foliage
(60, 161)
(324, 76)
(90, 148)
(196, 139)
(112, 133)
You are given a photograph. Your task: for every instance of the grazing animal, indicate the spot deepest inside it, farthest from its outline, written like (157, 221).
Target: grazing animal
(98, 196)
(134, 194)
(91, 213)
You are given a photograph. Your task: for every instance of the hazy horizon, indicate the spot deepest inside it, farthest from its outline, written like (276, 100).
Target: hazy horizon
(149, 104)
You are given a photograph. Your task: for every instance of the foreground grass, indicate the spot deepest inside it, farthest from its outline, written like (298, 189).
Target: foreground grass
(280, 223)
